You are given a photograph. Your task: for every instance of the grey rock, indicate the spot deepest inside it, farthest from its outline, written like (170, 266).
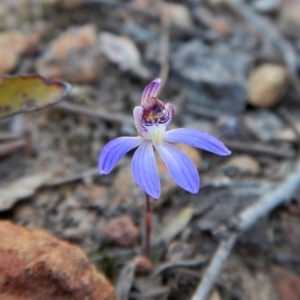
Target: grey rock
(216, 75)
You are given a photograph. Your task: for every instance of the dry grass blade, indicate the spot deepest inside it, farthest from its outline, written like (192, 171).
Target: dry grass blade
(198, 261)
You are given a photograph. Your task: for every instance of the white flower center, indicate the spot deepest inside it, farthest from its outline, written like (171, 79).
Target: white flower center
(156, 132)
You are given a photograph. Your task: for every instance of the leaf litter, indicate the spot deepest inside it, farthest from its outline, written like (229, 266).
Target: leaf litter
(108, 51)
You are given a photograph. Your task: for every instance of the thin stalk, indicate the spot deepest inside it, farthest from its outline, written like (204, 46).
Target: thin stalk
(148, 226)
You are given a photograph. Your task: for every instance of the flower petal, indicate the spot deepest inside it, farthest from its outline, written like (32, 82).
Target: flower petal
(156, 132)
(144, 170)
(151, 90)
(181, 168)
(169, 115)
(198, 139)
(114, 150)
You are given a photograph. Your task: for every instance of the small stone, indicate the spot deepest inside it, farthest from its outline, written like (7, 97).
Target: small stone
(287, 134)
(73, 56)
(267, 85)
(241, 165)
(121, 231)
(142, 265)
(179, 15)
(214, 295)
(35, 265)
(73, 234)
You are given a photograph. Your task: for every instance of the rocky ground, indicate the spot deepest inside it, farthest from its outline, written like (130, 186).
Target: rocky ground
(230, 68)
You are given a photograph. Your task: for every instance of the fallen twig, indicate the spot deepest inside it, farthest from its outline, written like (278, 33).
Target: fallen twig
(70, 178)
(259, 148)
(214, 268)
(242, 222)
(96, 113)
(13, 146)
(7, 135)
(266, 204)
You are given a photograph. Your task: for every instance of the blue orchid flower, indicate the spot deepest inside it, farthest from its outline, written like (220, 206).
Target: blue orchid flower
(151, 120)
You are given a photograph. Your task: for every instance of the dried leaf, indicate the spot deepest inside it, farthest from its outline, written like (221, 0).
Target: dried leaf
(20, 189)
(176, 226)
(123, 52)
(27, 93)
(125, 281)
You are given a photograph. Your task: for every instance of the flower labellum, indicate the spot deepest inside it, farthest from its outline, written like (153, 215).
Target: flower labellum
(151, 119)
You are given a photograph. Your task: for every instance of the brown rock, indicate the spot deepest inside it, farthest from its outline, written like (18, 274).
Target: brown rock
(286, 283)
(291, 227)
(35, 265)
(142, 265)
(267, 85)
(73, 56)
(12, 44)
(121, 231)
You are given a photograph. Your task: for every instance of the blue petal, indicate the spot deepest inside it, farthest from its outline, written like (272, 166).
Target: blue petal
(114, 150)
(181, 168)
(198, 139)
(151, 89)
(144, 170)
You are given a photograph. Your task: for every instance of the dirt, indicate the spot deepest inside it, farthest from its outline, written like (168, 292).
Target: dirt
(212, 58)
